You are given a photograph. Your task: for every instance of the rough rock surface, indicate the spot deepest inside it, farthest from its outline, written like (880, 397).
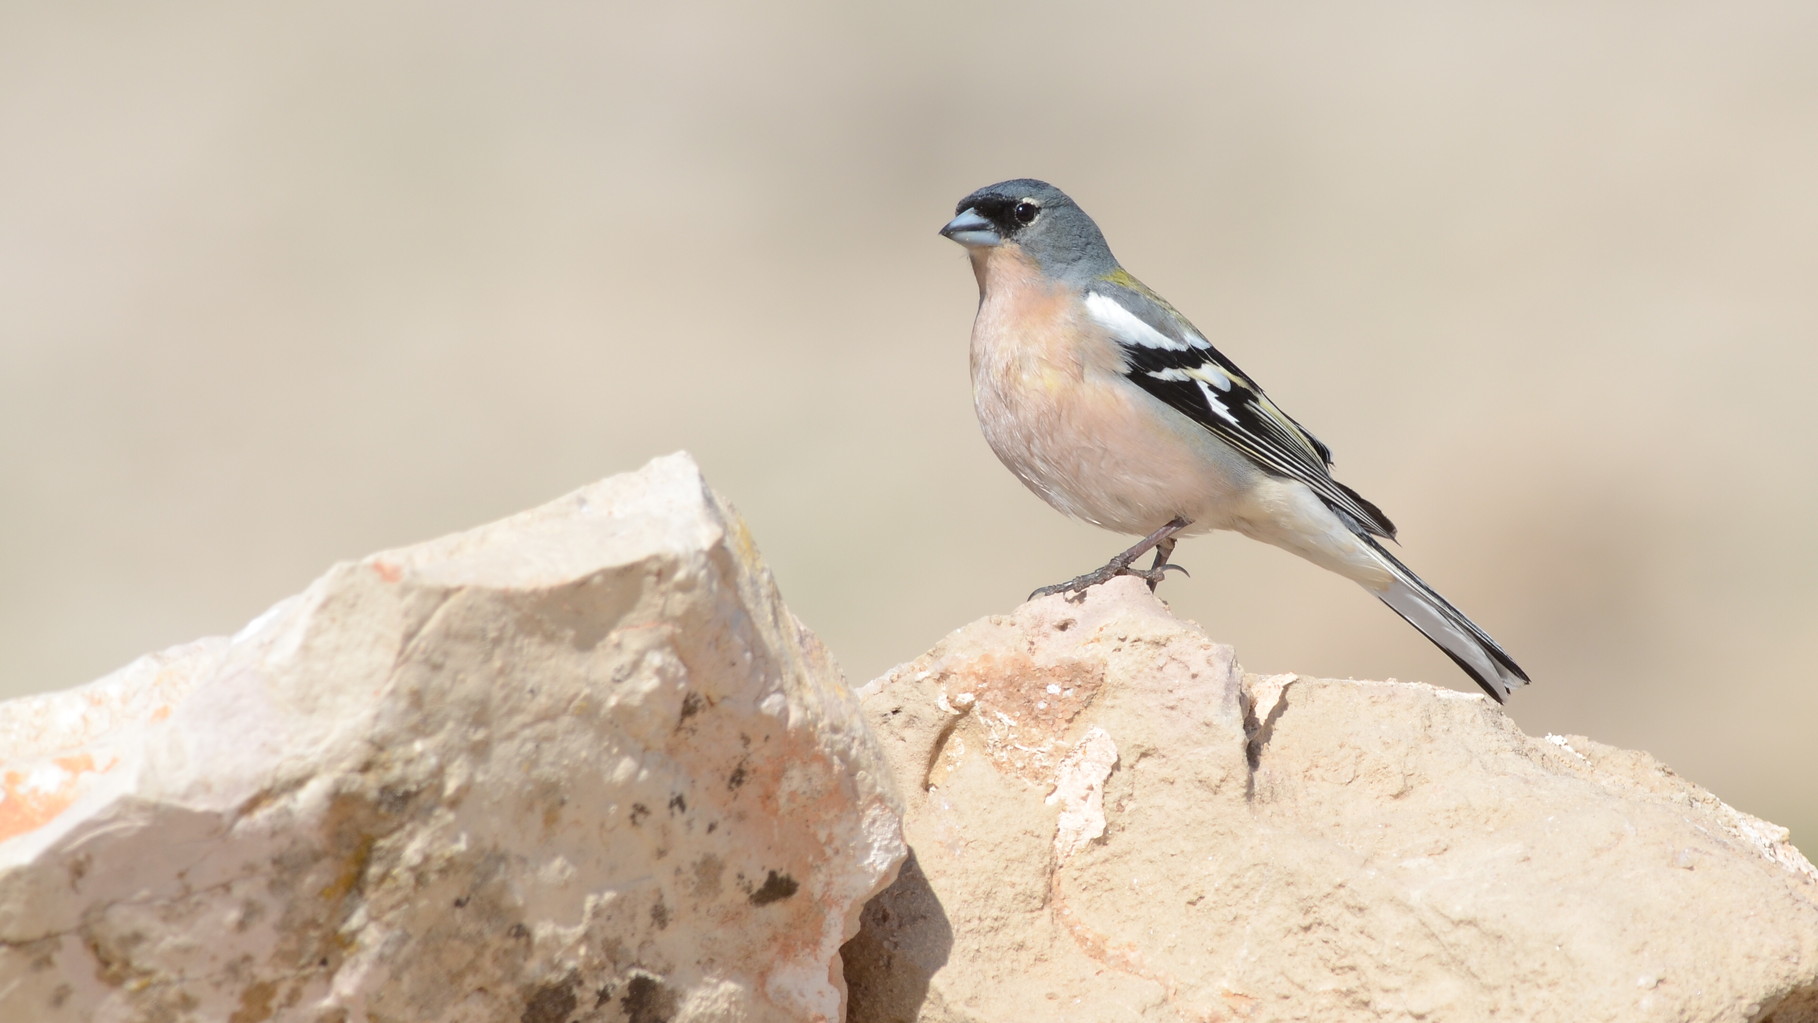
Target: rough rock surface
(578, 765)
(1109, 821)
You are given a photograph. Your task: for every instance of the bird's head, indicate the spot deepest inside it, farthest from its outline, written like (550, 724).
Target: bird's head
(1038, 218)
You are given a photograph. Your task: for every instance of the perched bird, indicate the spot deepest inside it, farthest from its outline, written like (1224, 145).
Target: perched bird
(1114, 409)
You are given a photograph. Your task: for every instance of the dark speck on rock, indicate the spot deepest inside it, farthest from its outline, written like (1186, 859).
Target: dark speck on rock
(776, 887)
(648, 1000)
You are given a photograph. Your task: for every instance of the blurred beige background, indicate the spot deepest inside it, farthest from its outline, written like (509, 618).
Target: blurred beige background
(282, 284)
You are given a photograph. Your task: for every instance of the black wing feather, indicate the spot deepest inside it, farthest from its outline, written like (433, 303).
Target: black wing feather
(1261, 430)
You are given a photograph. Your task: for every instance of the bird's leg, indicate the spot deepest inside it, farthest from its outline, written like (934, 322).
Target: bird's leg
(1161, 541)
(1163, 551)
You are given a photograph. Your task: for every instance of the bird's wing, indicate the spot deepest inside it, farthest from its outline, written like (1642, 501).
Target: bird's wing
(1171, 360)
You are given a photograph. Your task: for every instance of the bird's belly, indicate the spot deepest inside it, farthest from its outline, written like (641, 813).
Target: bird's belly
(1100, 449)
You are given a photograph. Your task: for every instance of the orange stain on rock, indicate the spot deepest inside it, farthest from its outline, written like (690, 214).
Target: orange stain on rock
(30, 799)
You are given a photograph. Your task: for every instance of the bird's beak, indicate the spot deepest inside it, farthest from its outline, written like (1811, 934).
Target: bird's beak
(972, 230)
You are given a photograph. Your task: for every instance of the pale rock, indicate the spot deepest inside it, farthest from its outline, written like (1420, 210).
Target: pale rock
(1110, 822)
(577, 765)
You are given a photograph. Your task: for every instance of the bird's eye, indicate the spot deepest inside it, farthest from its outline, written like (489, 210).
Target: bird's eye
(1025, 212)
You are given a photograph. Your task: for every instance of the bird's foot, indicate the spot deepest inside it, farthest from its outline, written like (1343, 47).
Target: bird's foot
(1161, 541)
(1076, 587)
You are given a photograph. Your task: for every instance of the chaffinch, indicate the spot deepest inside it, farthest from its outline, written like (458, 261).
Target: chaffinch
(1109, 405)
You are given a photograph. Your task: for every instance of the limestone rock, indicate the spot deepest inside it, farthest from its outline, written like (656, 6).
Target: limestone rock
(578, 765)
(1110, 822)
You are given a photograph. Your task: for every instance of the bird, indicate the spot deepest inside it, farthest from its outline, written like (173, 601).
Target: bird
(1114, 409)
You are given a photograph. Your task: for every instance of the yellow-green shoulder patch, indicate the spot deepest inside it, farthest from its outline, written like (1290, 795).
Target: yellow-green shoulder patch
(1123, 278)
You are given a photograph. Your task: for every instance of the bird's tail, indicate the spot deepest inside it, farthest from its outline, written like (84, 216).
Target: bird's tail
(1467, 645)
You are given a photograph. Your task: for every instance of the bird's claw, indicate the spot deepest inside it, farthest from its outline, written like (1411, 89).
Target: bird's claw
(1156, 573)
(1076, 588)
